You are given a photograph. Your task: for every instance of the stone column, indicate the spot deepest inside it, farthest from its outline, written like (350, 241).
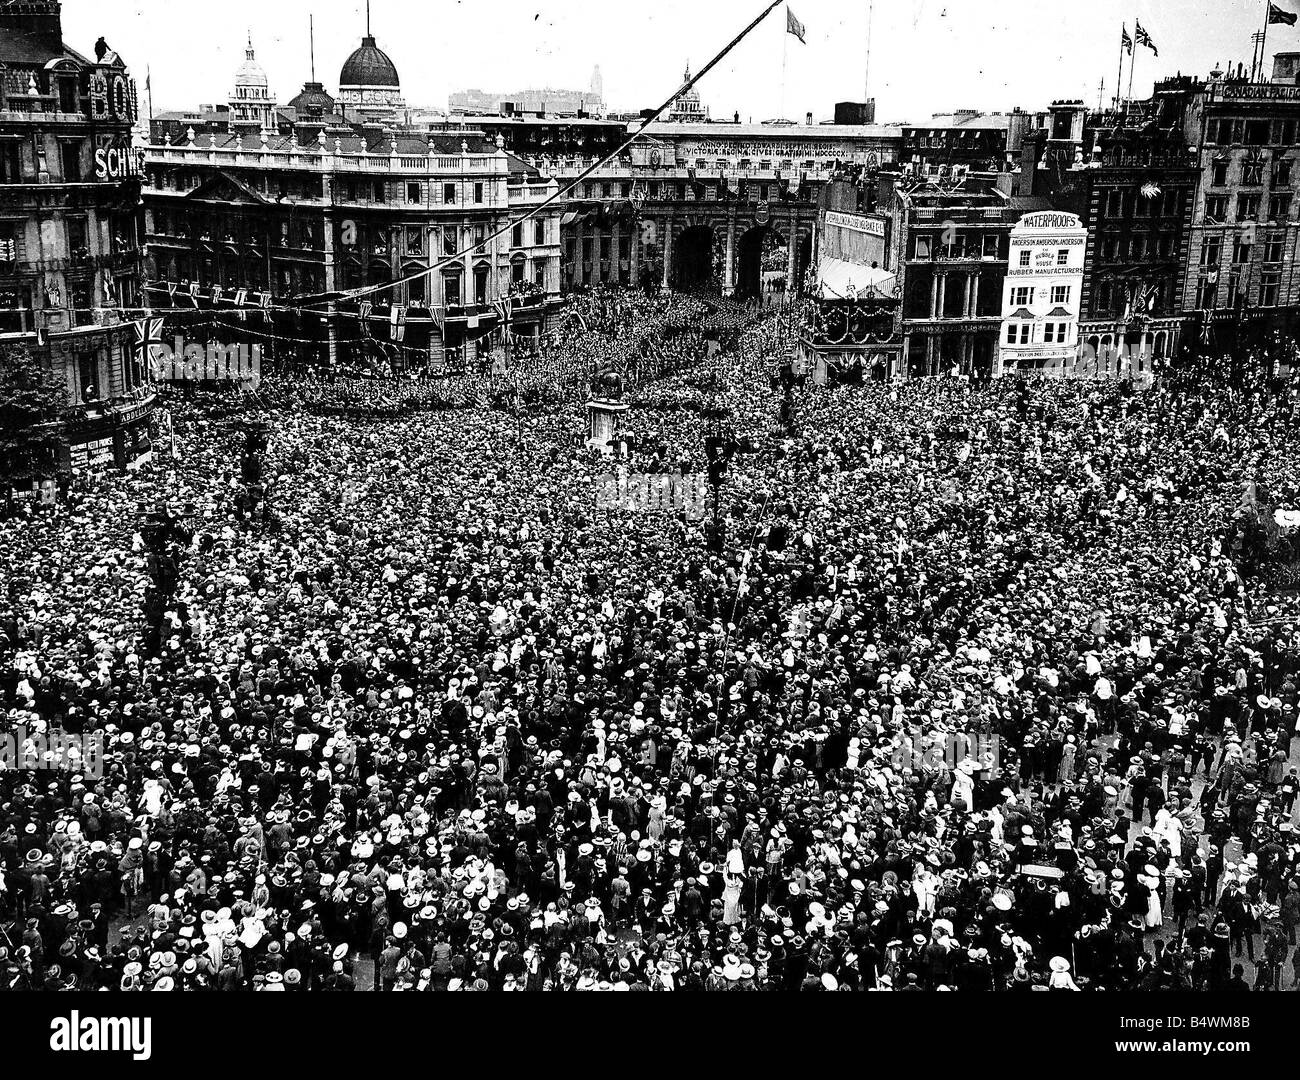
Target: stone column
(943, 292)
(792, 244)
(667, 246)
(934, 295)
(729, 272)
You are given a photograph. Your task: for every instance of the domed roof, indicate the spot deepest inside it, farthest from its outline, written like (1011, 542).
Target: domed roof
(369, 66)
(250, 72)
(313, 99)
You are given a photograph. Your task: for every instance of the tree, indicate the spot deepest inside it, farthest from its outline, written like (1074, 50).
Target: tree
(32, 398)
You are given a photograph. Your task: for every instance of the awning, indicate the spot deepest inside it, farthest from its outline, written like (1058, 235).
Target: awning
(1022, 313)
(836, 276)
(1058, 313)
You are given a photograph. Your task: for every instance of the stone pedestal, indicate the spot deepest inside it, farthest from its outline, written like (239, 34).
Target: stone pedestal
(602, 418)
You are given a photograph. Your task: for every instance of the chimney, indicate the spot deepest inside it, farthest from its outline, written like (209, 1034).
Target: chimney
(808, 119)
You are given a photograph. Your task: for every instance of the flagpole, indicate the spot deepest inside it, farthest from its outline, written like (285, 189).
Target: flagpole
(785, 49)
(1132, 63)
(1268, 8)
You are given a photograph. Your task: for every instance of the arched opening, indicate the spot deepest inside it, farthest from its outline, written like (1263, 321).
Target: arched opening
(1162, 343)
(803, 260)
(693, 259)
(761, 265)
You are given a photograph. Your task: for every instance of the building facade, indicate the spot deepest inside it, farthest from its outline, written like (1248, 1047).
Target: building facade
(1131, 177)
(950, 262)
(1042, 295)
(239, 223)
(70, 256)
(1240, 279)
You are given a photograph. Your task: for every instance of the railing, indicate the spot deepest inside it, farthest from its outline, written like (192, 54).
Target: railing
(327, 161)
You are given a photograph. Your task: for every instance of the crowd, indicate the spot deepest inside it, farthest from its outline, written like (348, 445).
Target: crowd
(977, 696)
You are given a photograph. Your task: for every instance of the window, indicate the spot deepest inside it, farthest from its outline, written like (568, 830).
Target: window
(1060, 294)
(990, 245)
(1273, 249)
(1279, 207)
(77, 238)
(923, 246)
(1282, 173)
(449, 196)
(1219, 173)
(413, 193)
(517, 268)
(70, 158)
(451, 290)
(478, 192)
(414, 240)
(539, 233)
(9, 241)
(1240, 251)
(449, 240)
(1054, 333)
(11, 170)
(480, 285)
(1109, 247)
(379, 191)
(1018, 333)
(1115, 203)
(1216, 208)
(1024, 258)
(517, 235)
(415, 291)
(1062, 256)
(1252, 172)
(1022, 296)
(1247, 207)
(1257, 132)
(1270, 284)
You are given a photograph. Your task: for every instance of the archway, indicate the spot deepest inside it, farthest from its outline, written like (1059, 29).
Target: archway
(763, 258)
(803, 260)
(693, 258)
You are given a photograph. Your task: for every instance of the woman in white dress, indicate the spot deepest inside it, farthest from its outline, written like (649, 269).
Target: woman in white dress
(731, 898)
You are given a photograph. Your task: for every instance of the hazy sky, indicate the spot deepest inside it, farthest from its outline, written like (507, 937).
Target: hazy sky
(926, 55)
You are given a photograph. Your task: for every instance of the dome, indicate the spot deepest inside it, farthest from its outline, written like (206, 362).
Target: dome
(313, 99)
(250, 72)
(369, 66)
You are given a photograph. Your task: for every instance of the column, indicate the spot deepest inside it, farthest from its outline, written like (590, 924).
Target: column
(934, 295)
(943, 292)
(968, 308)
(792, 243)
(930, 343)
(729, 273)
(597, 240)
(667, 246)
(634, 255)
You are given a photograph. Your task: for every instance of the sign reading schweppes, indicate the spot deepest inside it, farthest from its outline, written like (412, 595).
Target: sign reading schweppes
(120, 162)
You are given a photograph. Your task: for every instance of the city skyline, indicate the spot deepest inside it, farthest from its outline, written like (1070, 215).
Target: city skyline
(767, 76)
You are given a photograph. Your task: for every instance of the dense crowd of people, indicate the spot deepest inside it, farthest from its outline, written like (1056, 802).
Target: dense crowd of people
(978, 694)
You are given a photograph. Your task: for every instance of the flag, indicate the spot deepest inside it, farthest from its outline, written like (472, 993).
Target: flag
(1143, 38)
(795, 27)
(1125, 42)
(147, 340)
(1277, 15)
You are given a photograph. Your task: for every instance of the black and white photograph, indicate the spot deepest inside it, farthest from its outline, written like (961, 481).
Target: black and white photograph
(555, 496)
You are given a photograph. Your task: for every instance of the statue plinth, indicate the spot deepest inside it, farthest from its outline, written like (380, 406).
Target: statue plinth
(602, 421)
